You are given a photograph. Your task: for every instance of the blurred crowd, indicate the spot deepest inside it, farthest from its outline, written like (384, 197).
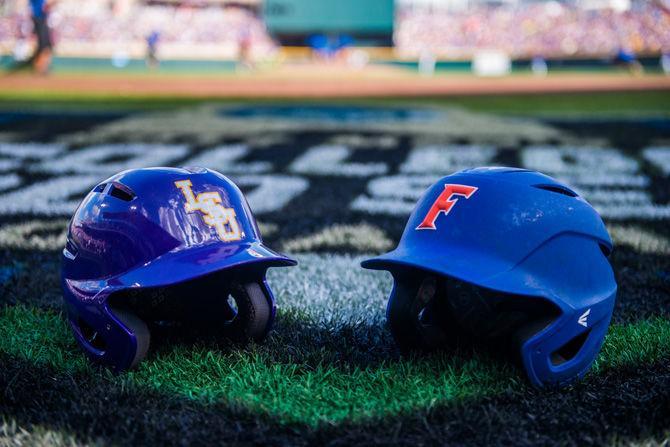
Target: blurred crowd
(102, 22)
(523, 30)
(547, 29)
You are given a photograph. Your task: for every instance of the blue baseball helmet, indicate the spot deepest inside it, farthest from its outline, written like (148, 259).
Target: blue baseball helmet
(162, 245)
(504, 254)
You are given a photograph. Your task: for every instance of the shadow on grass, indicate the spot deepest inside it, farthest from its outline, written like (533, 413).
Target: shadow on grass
(303, 373)
(348, 346)
(625, 404)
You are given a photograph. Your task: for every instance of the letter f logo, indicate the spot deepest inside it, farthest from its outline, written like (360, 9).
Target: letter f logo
(444, 203)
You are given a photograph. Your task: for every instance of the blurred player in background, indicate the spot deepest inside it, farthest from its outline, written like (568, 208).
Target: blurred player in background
(244, 42)
(41, 58)
(152, 49)
(626, 58)
(22, 49)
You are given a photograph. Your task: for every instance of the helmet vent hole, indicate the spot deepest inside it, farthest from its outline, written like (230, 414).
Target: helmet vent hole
(569, 350)
(100, 187)
(558, 189)
(123, 194)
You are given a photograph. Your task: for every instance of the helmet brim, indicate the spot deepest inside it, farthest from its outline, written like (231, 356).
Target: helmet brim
(541, 274)
(182, 265)
(465, 265)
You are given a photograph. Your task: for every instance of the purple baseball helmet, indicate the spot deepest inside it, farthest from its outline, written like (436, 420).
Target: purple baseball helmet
(158, 245)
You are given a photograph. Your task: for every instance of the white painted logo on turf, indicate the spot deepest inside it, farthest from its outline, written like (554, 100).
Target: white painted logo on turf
(659, 156)
(14, 154)
(440, 159)
(108, 159)
(609, 179)
(583, 317)
(225, 159)
(330, 160)
(271, 192)
(50, 197)
(397, 194)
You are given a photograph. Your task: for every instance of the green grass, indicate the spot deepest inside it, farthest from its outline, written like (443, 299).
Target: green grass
(619, 103)
(294, 393)
(647, 103)
(311, 392)
(645, 341)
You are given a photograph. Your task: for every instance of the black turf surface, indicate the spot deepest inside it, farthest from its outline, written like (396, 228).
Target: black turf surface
(626, 405)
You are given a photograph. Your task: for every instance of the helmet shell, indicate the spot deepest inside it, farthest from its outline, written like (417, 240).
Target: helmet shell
(522, 233)
(155, 227)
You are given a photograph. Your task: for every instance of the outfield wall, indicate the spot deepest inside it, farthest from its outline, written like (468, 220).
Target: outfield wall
(377, 57)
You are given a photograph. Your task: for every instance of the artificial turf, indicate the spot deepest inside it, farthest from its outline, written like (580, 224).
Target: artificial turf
(303, 389)
(329, 373)
(310, 386)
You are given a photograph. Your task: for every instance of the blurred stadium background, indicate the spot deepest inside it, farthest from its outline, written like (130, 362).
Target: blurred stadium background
(333, 117)
(425, 34)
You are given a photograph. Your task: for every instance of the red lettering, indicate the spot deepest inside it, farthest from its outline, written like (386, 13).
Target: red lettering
(444, 203)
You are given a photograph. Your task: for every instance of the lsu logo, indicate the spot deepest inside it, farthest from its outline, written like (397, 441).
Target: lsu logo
(444, 203)
(214, 215)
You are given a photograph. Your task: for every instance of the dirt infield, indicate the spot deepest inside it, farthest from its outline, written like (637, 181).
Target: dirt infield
(322, 83)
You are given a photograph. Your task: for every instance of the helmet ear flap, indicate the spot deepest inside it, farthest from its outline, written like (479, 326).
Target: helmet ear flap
(552, 359)
(139, 329)
(570, 349)
(526, 332)
(253, 313)
(124, 344)
(86, 335)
